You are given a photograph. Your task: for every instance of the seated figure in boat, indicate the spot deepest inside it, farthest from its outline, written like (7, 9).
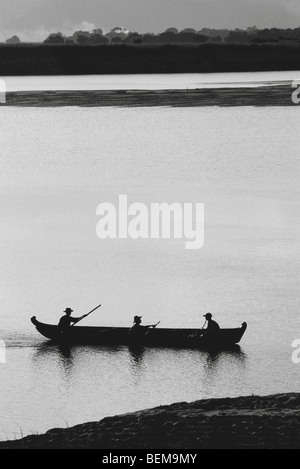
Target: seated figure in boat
(66, 320)
(137, 331)
(213, 327)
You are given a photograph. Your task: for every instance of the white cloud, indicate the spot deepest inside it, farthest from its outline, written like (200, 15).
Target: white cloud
(68, 28)
(40, 33)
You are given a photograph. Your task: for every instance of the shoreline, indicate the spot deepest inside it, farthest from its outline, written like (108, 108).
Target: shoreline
(262, 96)
(98, 59)
(251, 422)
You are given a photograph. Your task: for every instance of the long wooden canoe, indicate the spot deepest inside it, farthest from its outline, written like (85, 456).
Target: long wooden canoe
(154, 337)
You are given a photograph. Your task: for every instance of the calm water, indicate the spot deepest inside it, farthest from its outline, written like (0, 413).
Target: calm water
(57, 165)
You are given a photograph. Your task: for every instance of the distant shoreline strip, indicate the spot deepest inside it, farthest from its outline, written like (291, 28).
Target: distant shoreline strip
(262, 96)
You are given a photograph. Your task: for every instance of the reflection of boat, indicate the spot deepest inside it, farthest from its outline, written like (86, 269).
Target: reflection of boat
(154, 337)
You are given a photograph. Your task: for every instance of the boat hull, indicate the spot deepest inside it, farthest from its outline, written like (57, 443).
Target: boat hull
(156, 337)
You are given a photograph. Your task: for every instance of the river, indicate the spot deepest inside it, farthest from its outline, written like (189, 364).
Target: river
(57, 165)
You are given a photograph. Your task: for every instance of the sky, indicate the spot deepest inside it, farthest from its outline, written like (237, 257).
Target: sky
(35, 19)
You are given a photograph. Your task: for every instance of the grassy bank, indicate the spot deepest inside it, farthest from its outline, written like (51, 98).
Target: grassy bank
(244, 422)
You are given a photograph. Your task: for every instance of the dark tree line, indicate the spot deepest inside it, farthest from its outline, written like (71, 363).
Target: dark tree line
(173, 36)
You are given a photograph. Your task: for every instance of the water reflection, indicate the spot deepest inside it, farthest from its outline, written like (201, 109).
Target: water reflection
(203, 371)
(47, 350)
(67, 354)
(61, 355)
(225, 368)
(136, 355)
(236, 353)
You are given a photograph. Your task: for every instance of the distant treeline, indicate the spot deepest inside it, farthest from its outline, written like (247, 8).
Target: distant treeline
(118, 35)
(104, 59)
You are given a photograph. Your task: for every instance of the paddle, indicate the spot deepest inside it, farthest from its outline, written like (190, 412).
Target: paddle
(85, 315)
(154, 325)
(149, 330)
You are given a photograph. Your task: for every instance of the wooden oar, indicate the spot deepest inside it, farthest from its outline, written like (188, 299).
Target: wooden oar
(85, 315)
(154, 325)
(149, 330)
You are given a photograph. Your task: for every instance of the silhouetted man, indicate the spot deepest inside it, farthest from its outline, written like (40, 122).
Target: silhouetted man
(66, 320)
(212, 326)
(137, 332)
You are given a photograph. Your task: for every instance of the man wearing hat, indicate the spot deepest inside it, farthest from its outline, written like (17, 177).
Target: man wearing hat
(137, 332)
(212, 326)
(66, 320)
